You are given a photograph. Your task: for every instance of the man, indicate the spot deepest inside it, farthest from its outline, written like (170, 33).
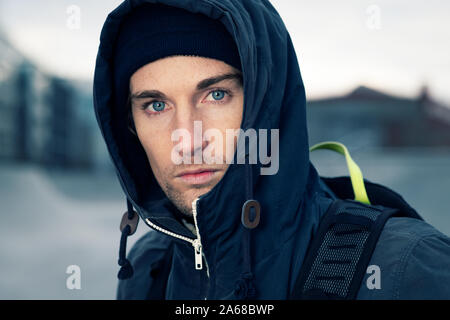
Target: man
(221, 229)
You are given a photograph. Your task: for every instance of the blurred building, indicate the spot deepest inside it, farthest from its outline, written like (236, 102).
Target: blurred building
(370, 118)
(44, 119)
(9, 60)
(51, 121)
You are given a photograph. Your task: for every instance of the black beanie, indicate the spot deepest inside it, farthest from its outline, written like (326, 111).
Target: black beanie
(154, 31)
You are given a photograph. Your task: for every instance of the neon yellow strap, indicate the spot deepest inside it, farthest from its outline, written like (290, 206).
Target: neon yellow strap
(356, 176)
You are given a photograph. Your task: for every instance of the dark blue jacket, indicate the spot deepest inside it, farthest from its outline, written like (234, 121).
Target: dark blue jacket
(264, 262)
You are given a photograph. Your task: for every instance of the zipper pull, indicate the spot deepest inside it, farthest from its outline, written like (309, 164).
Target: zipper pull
(198, 254)
(197, 243)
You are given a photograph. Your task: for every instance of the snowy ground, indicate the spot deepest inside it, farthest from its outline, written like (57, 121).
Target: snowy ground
(51, 221)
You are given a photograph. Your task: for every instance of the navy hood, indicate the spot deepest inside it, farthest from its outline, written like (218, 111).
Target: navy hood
(260, 262)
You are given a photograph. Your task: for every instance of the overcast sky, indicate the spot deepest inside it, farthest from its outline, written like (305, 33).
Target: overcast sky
(396, 46)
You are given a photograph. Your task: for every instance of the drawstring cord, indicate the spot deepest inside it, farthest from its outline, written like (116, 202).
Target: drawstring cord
(244, 287)
(128, 226)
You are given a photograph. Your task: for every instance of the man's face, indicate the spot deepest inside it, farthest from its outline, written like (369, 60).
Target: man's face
(170, 94)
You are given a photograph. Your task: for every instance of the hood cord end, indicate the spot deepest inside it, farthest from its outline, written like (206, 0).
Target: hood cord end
(245, 288)
(126, 271)
(128, 226)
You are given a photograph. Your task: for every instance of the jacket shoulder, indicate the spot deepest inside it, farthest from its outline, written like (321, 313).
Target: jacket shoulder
(148, 256)
(412, 259)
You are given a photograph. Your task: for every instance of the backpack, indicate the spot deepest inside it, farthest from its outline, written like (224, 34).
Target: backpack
(340, 251)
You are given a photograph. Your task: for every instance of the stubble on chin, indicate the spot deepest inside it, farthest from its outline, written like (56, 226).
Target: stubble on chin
(183, 200)
(178, 200)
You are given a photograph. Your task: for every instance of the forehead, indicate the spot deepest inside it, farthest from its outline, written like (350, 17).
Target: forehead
(186, 69)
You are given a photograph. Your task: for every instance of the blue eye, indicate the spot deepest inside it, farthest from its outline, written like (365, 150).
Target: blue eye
(218, 94)
(158, 106)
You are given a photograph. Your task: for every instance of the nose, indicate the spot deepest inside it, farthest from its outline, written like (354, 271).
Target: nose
(192, 143)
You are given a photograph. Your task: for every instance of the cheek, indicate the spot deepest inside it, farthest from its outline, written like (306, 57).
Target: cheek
(157, 146)
(226, 118)
(237, 112)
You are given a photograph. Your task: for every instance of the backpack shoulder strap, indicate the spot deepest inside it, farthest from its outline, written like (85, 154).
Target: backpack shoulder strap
(340, 252)
(338, 256)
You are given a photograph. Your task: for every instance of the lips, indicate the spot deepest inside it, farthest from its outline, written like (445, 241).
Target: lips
(199, 176)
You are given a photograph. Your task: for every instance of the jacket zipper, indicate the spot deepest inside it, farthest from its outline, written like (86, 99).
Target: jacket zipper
(196, 243)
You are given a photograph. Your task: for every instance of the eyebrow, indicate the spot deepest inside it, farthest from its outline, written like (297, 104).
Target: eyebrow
(203, 84)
